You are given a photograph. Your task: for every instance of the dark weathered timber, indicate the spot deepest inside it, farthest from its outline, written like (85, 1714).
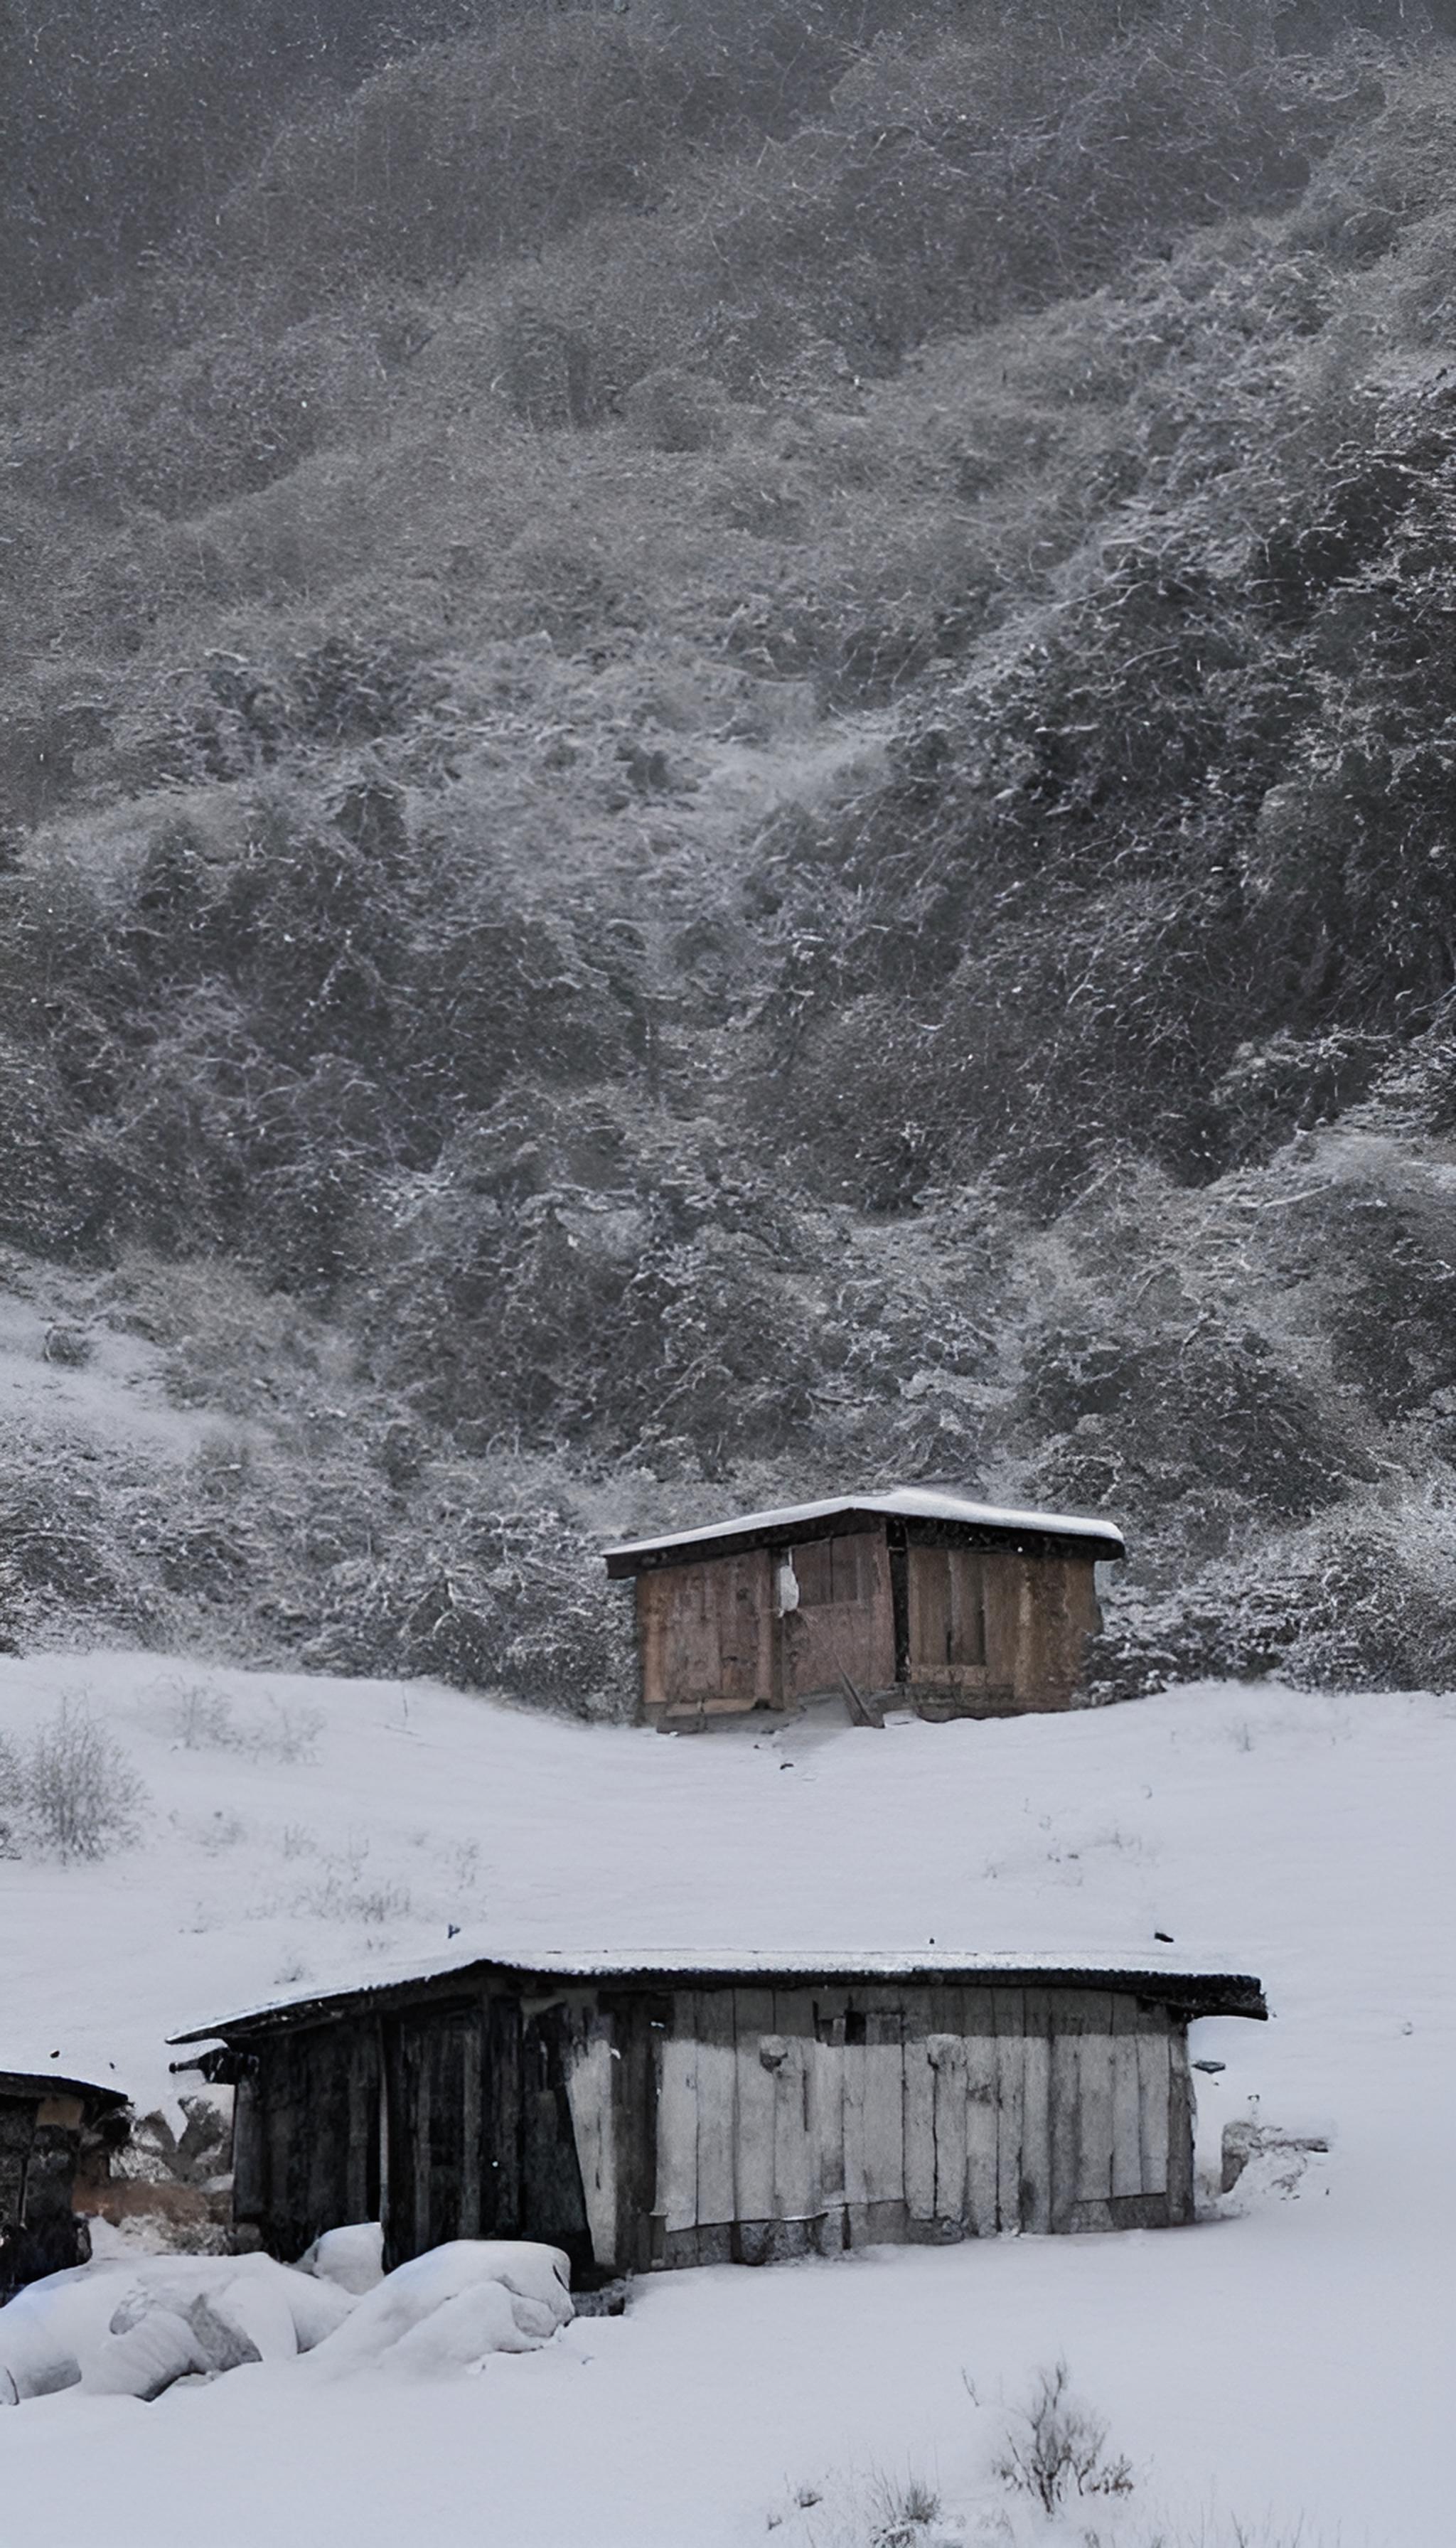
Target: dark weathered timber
(553, 2200)
(500, 2119)
(363, 2182)
(17, 2133)
(900, 1598)
(56, 2136)
(637, 2020)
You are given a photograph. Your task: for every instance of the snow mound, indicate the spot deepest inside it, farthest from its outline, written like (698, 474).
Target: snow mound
(353, 2258)
(453, 2306)
(130, 2326)
(122, 2327)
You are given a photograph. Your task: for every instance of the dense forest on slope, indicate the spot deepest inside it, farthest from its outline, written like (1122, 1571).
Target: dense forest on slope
(726, 764)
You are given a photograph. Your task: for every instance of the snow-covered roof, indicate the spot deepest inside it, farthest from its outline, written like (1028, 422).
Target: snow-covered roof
(1215, 1991)
(22, 2077)
(918, 1504)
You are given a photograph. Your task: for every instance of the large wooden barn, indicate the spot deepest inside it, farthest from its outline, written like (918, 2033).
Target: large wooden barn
(914, 1598)
(649, 2110)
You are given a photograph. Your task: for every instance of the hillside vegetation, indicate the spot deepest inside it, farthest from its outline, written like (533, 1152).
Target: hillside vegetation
(726, 766)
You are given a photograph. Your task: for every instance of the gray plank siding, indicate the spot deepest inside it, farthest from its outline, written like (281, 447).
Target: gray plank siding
(919, 2108)
(854, 2084)
(1035, 2137)
(1127, 2101)
(795, 2177)
(1094, 2094)
(827, 2112)
(717, 2110)
(1180, 2130)
(983, 2113)
(946, 2051)
(1065, 2068)
(1153, 2040)
(675, 2203)
(885, 2105)
(1010, 2020)
(753, 2018)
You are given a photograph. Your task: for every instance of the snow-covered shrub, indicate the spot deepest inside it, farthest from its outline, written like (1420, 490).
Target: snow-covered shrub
(868, 2509)
(1365, 1599)
(490, 1600)
(70, 1791)
(204, 1719)
(1148, 1419)
(673, 411)
(901, 2510)
(1056, 2448)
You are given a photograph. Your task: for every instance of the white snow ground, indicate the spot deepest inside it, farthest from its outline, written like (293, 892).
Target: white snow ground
(1288, 2363)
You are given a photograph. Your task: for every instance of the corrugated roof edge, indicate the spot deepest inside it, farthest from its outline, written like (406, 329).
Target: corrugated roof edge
(923, 1503)
(1216, 1992)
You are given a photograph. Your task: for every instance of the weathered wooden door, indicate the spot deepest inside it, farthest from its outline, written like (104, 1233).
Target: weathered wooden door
(947, 1615)
(713, 1633)
(307, 2135)
(434, 2071)
(842, 1628)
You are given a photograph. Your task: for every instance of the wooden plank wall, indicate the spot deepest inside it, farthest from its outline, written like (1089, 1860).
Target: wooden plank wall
(790, 2121)
(1036, 1615)
(845, 1625)
(724, 2121)
(705, 1636)
(990, 1632)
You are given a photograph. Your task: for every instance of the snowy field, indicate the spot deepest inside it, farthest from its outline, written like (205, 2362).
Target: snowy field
(1287, 2362)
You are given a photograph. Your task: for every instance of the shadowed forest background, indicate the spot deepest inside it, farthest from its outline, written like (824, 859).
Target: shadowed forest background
(728, 766)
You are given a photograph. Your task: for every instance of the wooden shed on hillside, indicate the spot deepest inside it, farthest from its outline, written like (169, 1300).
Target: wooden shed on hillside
(653, 2110)
(915, 1597)
(56, 2136)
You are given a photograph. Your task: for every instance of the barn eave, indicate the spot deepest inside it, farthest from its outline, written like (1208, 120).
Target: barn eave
(1189, 1994)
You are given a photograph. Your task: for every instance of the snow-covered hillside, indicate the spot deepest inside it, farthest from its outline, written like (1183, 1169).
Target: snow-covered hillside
(1282, 2362)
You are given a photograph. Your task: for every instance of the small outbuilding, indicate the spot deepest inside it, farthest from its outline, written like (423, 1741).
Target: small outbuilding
(656, 2110)
(56, 2136)
(914, 1598)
